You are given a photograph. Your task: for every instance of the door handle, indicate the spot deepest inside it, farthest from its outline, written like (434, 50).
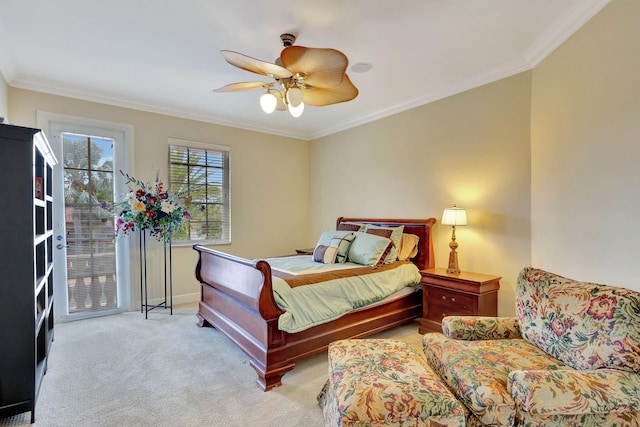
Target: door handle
(60, 246)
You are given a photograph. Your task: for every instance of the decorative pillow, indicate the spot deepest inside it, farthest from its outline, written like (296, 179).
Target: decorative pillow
(350, 226)
(408, 247)
(393, 233)
(369, 249)
(327, 254)
(346, 237)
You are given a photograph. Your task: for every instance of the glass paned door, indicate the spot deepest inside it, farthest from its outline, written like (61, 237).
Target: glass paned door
(88, 208)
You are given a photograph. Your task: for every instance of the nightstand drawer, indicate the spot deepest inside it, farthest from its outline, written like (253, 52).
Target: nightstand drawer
(453, 301)
(463, 294)
(438, 311)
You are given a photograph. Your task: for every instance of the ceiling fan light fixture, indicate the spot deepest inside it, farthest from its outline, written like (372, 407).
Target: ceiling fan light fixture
(296, 111)
(303, 75)
(279, 94)
(268, 102)
(294, 96)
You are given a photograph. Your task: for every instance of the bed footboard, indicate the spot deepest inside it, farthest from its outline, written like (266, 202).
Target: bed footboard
(237, 299)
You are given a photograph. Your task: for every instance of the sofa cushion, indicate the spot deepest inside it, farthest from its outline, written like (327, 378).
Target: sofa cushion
(477, 372)
(384, 382)
(573, 391)
(586, 325)
(611, 419)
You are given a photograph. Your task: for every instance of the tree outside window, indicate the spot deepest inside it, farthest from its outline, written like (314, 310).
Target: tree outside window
(202, 173)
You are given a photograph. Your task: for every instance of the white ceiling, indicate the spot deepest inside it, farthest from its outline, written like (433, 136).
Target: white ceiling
(163, 55)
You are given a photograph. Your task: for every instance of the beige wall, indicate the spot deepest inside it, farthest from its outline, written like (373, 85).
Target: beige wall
(4, 109)
(544, 161)
(269, 174)
(471, 149)
(586, 151)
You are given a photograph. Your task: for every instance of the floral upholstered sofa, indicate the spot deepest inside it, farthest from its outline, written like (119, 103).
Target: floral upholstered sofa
(570, 357)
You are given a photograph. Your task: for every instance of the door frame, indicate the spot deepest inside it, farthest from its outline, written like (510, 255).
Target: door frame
(127, 293)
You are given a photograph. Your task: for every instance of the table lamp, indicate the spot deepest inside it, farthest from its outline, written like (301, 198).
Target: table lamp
(454, 216)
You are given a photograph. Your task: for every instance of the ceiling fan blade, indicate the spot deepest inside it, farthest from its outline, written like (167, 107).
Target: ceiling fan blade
(255, 65)
(235, 87)
(319, 97)
(321, 67)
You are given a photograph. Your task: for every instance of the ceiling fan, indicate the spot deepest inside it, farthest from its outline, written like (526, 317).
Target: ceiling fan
(302, 75)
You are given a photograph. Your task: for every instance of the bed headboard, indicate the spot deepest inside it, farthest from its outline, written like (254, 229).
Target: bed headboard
(421, 227)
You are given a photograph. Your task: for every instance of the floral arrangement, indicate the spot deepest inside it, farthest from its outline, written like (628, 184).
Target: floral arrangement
(150, 207)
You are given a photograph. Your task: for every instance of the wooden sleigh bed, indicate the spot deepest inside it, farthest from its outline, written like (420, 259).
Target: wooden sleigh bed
(237, 299)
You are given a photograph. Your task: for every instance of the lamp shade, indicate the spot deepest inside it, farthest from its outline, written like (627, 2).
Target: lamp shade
(454, 216)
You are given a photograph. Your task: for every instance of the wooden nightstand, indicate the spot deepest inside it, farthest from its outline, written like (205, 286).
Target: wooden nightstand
(464, 294)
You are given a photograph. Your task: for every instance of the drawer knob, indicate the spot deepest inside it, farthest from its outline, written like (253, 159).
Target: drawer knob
(444, 297)
(453, 299)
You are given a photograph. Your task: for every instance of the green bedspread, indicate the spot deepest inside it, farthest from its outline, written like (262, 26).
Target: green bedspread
(311, 305)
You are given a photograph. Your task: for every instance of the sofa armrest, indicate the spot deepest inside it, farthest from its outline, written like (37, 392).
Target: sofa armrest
(575, 392)
(476, 328)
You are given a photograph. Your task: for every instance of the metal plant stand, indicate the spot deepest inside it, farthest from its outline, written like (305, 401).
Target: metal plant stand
(167, 297)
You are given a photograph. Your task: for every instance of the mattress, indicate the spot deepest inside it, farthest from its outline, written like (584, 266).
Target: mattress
(308, 302)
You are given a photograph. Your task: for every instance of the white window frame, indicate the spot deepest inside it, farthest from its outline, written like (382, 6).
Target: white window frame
(226, 227)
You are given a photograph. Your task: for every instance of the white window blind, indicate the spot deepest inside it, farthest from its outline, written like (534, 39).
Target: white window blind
(201, 172)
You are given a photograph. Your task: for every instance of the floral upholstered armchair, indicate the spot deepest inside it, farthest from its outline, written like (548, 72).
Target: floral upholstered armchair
(570, 357)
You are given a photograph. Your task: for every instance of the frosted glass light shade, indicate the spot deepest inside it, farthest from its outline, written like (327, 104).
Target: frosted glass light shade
(294, 96)
(454, 216)
(268, 102)
(296, 111)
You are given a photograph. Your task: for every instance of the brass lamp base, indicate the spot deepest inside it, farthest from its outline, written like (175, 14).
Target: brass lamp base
(453, 255)
(453, 263)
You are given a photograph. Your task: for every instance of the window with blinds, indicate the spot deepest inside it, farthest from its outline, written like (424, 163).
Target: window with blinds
(201, 172)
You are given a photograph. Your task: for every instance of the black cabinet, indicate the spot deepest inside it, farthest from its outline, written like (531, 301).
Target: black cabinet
(26, 266)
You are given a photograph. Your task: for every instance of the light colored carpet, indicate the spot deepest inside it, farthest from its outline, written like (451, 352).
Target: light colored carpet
(123, 370)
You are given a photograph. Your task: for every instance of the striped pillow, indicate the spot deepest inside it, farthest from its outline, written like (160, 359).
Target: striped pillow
(345, 239)
(326, 254)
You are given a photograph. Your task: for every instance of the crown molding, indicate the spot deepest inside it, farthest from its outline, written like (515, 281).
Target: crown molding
(543, 46)
(57, 89)
(551, 39)
(459, 86)
(562, 29)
